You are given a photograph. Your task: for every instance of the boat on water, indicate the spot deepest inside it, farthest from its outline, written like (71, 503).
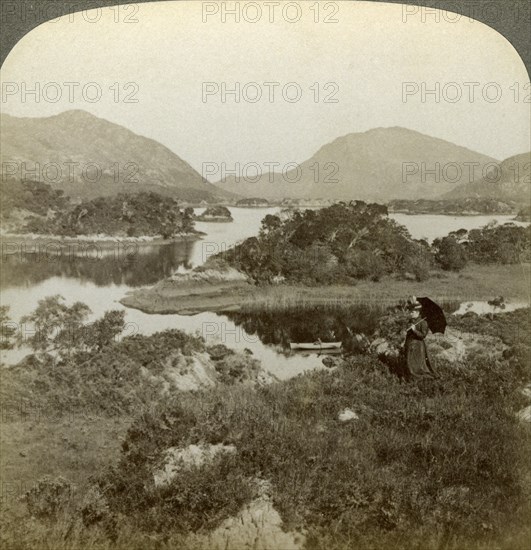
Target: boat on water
(318, 346)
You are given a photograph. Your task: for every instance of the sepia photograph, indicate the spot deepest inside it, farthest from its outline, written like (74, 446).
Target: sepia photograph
(265, 276)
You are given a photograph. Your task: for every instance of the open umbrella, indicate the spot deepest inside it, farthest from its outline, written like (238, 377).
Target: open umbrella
(433, 314)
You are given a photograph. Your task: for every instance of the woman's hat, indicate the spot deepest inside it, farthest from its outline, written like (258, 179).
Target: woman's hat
(413, 303)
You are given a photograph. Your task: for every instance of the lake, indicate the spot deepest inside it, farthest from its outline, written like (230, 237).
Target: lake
(101, 280)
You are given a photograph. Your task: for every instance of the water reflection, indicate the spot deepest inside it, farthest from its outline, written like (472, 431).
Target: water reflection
(129, 264)
(309, 324)
(133, 267)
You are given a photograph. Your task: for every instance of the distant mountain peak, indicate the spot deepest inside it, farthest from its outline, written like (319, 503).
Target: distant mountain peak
(369, 165)
(508, 180)
(120, 159)
(77, 113)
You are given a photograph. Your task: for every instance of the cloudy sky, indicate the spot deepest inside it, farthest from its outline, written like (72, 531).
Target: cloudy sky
(347, 74)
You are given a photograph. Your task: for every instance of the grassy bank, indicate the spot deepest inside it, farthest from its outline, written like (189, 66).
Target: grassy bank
(475, 282)
(430, 465)
(437, 465)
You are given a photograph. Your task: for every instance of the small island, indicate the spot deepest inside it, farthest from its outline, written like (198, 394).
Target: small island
(346, 253)
(215, 214)
(33, 210)
(254, 202)
(470, 206)
(524, 215)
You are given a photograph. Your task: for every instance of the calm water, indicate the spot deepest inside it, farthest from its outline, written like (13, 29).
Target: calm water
(431, 226)
(103, 280)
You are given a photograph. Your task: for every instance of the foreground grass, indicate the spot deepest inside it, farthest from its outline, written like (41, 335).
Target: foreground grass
(475, 282)
(435, 465)
(40, 443)
(438, 464)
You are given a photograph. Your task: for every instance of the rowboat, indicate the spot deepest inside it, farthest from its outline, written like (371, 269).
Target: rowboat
(315, 345)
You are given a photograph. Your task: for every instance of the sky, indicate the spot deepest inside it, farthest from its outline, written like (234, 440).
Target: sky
(159, 70)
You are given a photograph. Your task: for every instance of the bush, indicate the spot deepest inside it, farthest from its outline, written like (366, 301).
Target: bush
(504, 244)
(424, 463)
(450, 254)
(48, 498)
(125, 214)
(365, 265)
(329, 245)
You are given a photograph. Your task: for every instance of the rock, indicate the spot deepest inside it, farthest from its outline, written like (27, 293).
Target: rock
(348, 414)
(203, 370)
(526, 391)
(176, 459)
(525, 414)
(257, 526)
(187, 373)
(330, 362)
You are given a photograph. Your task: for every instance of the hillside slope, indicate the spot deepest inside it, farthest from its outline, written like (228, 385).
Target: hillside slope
(511, 181)
(368, 166)
(89, 156)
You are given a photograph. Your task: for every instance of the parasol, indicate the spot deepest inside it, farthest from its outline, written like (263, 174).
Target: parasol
(433, 314)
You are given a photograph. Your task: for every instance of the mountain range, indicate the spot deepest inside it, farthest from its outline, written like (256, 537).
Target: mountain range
(379, 165)
(87, 156)
(510, 180)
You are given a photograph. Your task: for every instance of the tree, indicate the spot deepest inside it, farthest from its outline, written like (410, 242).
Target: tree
(56, 327)
(8, 329)
(102, 332)
(269, 223)
(449, 253)
(331, 245)
(188, 219)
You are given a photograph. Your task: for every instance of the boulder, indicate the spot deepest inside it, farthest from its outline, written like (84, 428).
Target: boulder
(525, 414)
(526, 391)
(348, 414)
(176, 459)
(257, 526)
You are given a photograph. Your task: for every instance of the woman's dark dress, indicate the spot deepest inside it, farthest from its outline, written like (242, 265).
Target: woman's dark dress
(417, 359)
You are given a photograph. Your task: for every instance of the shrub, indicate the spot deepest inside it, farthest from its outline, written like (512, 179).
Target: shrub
(505, 244)
(450, 254)
(355, 240)
(423, 462)
(48, 498)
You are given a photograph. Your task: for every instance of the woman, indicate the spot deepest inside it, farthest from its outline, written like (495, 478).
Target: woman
(417, 359)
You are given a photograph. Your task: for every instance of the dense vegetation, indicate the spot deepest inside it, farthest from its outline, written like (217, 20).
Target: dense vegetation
(215, 213)
(342, 243)
(255, 201)
(336, 244)
(102, 367)
(422, 468)
(499, 244)
(425, 465)
(121, 215)
(458, 207)
(32, 196)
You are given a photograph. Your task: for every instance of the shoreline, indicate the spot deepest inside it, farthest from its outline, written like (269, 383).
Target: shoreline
(453, 214)
(103, 241)
(474, 283)
(214, 220)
